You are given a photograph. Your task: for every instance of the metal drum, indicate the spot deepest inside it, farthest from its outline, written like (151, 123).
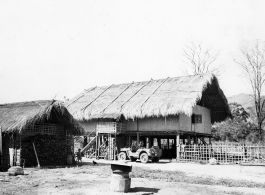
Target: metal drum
(120, 180)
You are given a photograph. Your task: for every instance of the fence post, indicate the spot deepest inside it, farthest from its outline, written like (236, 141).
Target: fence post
(225, 153)
(210, 150)
(178, 147)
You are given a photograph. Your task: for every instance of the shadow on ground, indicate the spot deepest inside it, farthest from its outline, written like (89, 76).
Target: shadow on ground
(154, 162)
(143, 189)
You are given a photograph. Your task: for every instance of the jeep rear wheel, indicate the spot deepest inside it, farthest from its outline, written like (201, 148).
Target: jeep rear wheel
(122, 156)
(144, 158)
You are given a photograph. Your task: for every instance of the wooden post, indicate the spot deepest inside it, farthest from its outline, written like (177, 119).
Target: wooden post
(1, 147)
(115, 148)
(36, 155)
(189, 142)
(210, 148)
(1, 143)
(138, 134)
(178, 147)
(195, 139)
(129, 145)
(96, 144)
(147, 140)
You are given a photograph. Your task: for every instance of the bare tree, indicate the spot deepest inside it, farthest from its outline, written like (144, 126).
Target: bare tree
(252, 63)
(200, 58)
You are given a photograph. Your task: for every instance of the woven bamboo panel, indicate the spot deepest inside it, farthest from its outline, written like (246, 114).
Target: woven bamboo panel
(110, 127)
(48, 129)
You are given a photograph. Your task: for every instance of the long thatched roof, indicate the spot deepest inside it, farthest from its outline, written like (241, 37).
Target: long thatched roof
(18, 116)
(169, 96)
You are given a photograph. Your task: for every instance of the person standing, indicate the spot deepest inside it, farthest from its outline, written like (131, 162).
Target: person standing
(79, 156)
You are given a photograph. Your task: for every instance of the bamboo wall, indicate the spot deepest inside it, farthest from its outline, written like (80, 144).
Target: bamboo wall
(170, 123)
(179, 122)
(205, 126)
(12, 143)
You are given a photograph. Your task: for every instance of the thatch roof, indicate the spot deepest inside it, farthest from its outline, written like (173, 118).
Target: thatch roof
(18, 116)
(163, 97)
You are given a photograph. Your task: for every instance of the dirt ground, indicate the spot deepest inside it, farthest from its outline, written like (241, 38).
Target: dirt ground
(236, 172)
(86, 180)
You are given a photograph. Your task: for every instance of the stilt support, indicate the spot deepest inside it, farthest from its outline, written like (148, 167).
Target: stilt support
(178, 147)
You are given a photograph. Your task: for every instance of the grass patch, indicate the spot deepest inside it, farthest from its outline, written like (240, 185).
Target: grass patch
(104, 171)
(100, 170)
(179, 176)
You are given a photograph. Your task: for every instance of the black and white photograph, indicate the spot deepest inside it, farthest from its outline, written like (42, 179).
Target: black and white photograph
(150, 97)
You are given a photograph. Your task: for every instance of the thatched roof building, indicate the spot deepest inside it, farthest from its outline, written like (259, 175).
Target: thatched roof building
(16, 117)
(170, 96)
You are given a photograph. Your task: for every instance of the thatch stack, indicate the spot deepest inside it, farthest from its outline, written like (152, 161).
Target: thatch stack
(51, 150)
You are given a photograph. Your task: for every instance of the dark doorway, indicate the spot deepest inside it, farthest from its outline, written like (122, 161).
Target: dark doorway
(167, 144)
(168, 147)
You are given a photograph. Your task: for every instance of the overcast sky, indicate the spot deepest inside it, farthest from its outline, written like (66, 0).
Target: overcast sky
(56, 48)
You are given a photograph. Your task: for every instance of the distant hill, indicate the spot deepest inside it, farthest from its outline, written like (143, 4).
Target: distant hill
(247, 102)
(244, 99)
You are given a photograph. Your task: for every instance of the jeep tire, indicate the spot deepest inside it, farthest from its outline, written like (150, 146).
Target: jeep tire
(144, 158)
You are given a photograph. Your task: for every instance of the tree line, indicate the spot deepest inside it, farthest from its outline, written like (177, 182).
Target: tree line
(200, 59)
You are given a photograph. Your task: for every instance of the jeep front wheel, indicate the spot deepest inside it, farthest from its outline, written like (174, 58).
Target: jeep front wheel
(122, 156)
(144, 158)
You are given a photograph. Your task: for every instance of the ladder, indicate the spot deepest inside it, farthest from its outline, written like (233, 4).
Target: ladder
(89, 144)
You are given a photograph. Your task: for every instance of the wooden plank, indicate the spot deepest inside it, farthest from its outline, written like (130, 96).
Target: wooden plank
(36, 155)
(11, 156)
(18, 157)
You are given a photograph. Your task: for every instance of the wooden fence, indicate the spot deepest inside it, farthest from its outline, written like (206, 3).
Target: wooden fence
(223, 153)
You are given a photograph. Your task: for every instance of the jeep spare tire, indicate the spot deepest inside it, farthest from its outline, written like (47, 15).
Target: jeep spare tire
(122, 156)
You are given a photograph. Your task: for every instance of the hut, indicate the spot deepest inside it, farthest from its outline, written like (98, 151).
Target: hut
(163, 112)
(37, 128)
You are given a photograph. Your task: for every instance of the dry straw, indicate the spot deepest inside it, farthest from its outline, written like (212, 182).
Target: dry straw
(18, 116)
(152, 98)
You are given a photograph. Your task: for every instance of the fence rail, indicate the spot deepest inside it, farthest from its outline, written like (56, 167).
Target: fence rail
(223, 154)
